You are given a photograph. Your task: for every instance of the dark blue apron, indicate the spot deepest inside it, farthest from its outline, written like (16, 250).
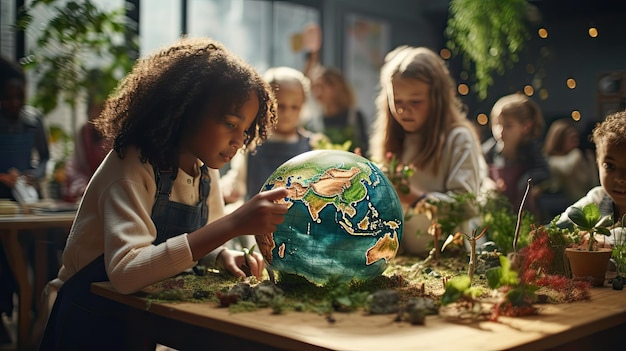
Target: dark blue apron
(81, 320)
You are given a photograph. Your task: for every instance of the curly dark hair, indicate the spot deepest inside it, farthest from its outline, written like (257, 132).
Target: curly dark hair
(610, 132)
(165, 97)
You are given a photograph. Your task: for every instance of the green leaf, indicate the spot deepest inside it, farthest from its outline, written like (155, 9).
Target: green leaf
(605, 221)
(474, 292)
(592, 214)
(494, 276)
(577, 216)
(604, 231)
(344, 301)
(522, 295)
(455, 288)
(503, 275)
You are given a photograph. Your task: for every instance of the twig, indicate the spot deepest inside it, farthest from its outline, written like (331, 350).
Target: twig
(519, 215)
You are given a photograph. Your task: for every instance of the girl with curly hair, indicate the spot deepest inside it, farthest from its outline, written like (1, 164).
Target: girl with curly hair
(154, 208)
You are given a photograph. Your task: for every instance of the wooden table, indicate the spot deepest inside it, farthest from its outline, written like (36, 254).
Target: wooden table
(191, 326)
(37, 225)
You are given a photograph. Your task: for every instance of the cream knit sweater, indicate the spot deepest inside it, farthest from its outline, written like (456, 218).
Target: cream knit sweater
(114, 218)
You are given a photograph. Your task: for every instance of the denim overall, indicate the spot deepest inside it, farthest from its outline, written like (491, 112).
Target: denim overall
(80, 320)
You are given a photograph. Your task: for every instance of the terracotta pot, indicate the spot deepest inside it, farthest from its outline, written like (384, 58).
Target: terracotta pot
(589, 265)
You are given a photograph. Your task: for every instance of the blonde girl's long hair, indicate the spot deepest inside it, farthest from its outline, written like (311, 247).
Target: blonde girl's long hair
(446, 109)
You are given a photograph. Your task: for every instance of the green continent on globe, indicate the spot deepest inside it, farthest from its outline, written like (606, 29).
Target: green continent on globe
(344, 218)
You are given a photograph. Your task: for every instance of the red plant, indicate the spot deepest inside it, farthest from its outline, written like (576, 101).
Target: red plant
(537, 268)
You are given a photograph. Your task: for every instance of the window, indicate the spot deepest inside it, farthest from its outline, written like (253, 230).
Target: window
(261, 32)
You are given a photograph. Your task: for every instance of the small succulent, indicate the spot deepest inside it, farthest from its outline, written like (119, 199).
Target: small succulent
(589, 219)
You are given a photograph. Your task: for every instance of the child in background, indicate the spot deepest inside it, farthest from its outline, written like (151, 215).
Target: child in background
(341, 119)
(22, 131)
(572, 172)
(609, 136)
(519, 156)
(287, 140)
(90, 146)
(176, 118)
(421, 121)
(22, 135)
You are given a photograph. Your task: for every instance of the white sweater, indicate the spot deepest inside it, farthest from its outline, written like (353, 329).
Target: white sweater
(461, 170)
(114, 218)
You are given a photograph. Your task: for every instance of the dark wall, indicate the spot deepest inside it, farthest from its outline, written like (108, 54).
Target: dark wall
(568, 52)
(571, 53)
(408, 21)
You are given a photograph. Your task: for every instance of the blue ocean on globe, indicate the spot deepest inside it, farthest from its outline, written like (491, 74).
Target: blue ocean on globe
(344, 220)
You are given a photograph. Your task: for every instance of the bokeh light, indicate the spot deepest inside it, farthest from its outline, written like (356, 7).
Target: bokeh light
(576, 115)
(543, 94)
(463, 89)
(543, 33)
(571, 83)
(529, 90)
(445, 53)
(593, 32)
(482, 119)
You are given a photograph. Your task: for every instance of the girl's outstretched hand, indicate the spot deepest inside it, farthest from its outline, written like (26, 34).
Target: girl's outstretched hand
(261, 214)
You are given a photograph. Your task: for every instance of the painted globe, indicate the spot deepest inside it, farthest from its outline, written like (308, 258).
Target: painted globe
(344, 220)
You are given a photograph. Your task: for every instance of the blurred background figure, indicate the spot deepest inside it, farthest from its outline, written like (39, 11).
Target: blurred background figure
(341, 119)
(572, 172)
(249, 171)
(519, 155)
(90, 147)
(21, 132)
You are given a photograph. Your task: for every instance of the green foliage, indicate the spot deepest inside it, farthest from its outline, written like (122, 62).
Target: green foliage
(619, 248)
(326, 144)
(504, 276)
(561, 237)
(589, 219)
(397, 173)
(78, 38)
(489, 34)
(341, 296)
(450, 214)
(458, 288)
(498, 215)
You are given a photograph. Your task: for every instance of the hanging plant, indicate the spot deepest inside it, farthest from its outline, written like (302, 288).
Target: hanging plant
(489, 35)
(78, 38)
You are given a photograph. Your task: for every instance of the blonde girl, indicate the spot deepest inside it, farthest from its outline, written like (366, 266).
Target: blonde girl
(421, 121)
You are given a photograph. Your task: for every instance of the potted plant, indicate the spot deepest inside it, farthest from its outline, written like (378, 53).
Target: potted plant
(588, 261)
